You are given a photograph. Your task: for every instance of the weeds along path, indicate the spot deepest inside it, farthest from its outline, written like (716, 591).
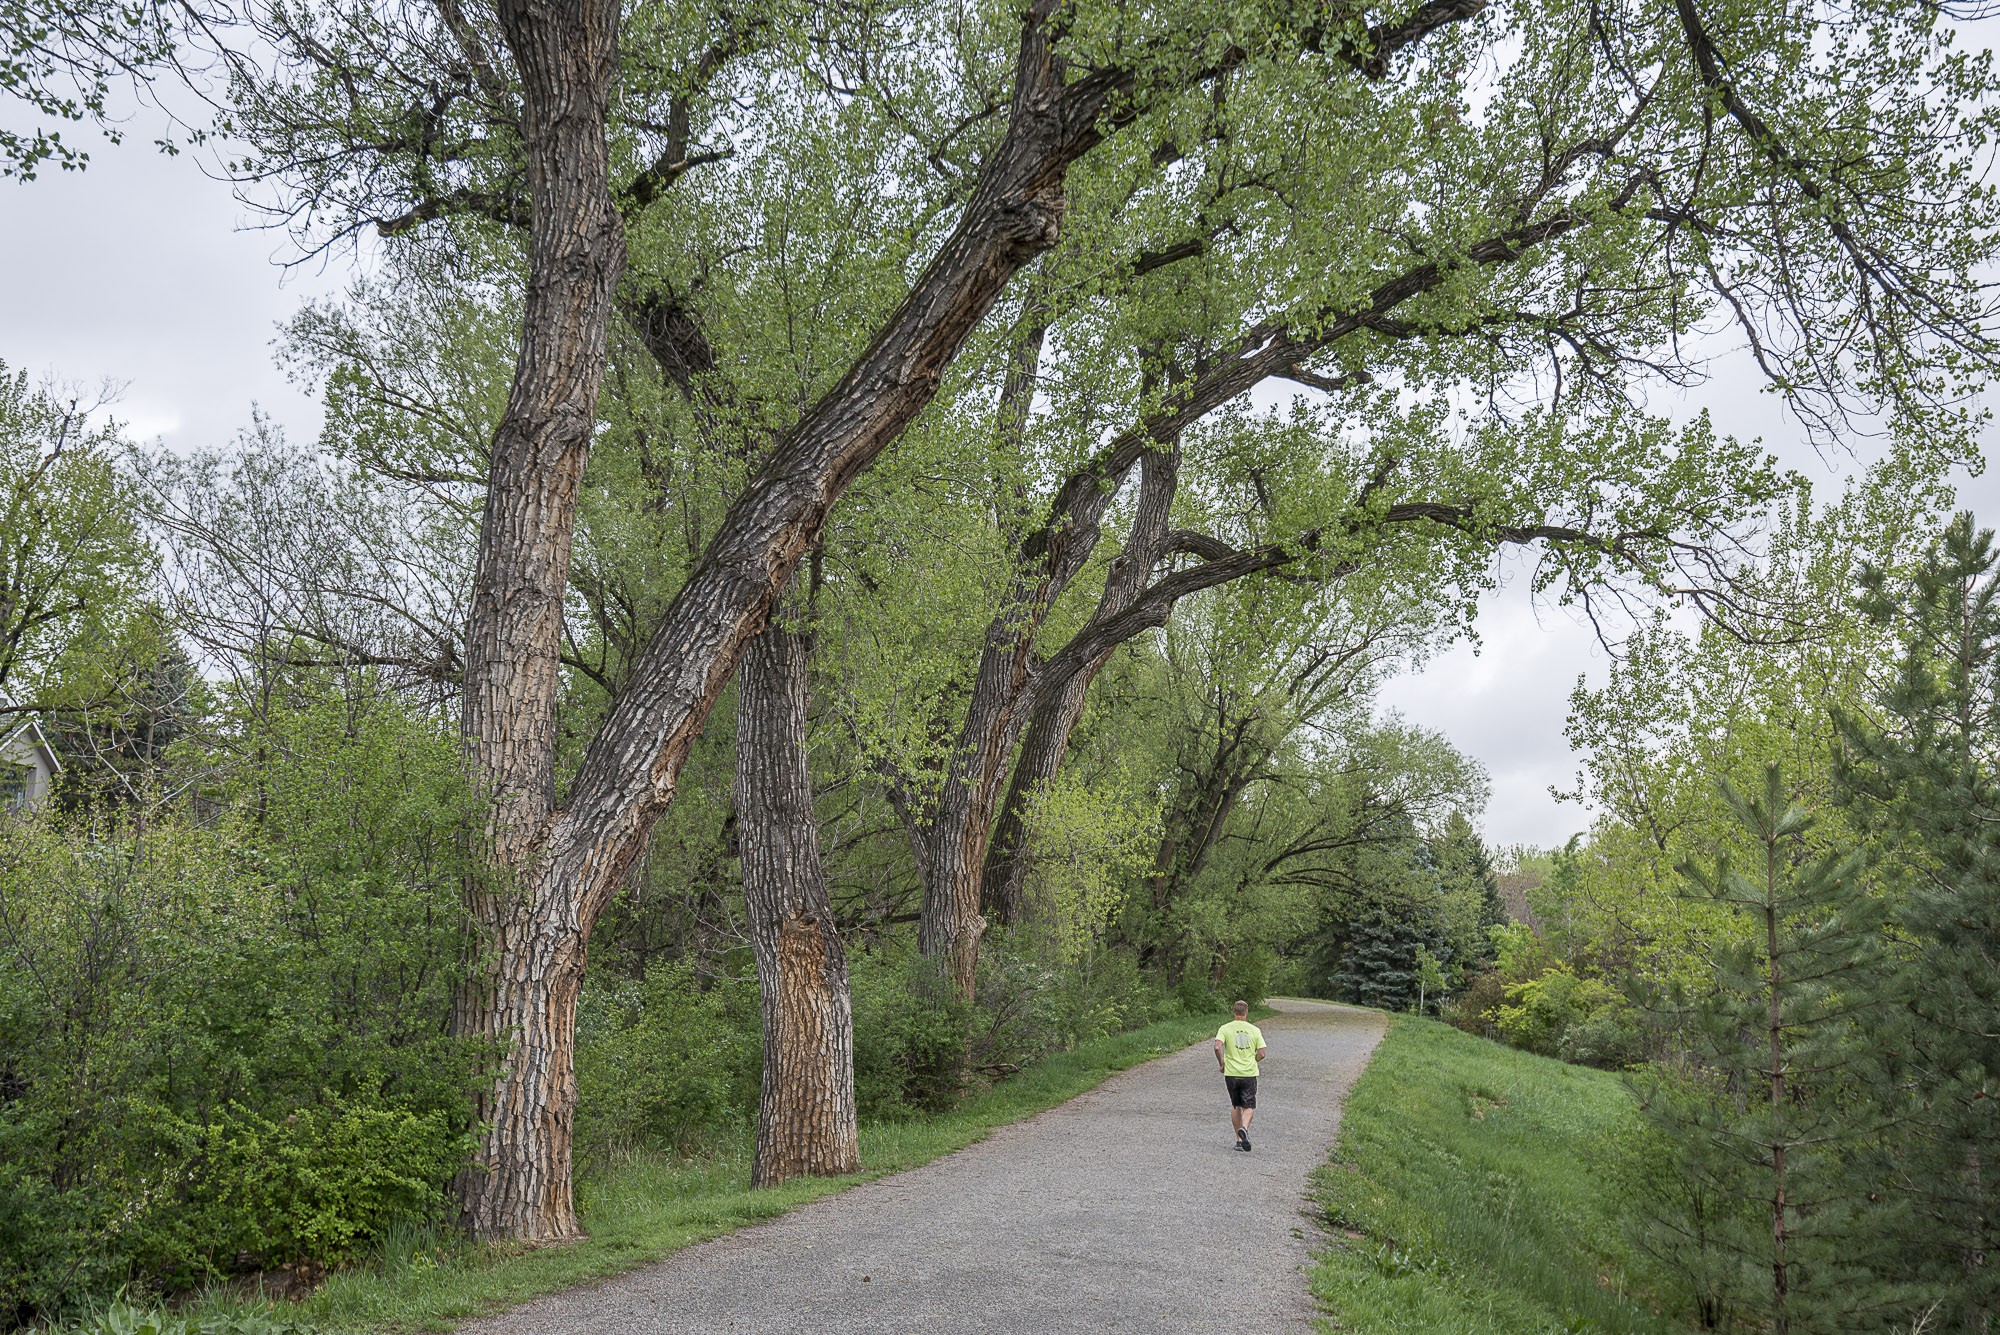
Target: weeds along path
(1125, 1209)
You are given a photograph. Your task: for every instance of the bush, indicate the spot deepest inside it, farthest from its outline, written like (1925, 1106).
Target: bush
(917, 1047)
(664, 1061)
(1194, 996)
(1476, 1008)
(1246, 974)
(222, 1045)
(1577, 1019)
(1610, 1037)
(308, 1185)
(909, 1038)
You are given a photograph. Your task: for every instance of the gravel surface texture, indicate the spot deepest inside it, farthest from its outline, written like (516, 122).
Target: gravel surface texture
(1125, 1209)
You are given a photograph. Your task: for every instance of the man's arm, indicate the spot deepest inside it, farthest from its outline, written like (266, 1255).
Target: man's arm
(1260, 1053)
(1218, 1055)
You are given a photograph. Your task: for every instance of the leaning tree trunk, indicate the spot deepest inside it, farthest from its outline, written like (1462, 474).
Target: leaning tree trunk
(1004, 881)
(1059, 695)
(553, 870)
(521, 998)
(805, 1115)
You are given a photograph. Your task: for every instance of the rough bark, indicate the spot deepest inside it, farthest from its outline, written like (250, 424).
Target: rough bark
(522, 998)
(1004, 881)
(555, 868)
(806, 1111)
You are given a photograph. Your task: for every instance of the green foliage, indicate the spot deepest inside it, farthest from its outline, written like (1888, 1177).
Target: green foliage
(909, 1038)
(1382, 962)
(663, 1062)
(224, 1044)
(313, 1183)
(121, 1318)
(1681, 710)
(1764, 1213)
(1582, 1020)
(73, 564)
(1091, 837)
(1917, 770)
(61, 60)
(639, 1208)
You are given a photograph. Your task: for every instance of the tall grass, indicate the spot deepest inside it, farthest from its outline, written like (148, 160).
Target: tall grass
(1474, 1190)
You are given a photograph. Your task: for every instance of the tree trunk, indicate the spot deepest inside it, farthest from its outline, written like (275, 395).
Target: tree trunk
(805, 1115)
(552, 870)
(1059, 696)
(1781, 1273)
(1004, 881)
(522, 997)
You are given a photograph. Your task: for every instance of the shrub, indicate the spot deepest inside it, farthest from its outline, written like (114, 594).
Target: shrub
(1610, 1037)
(917, 1046)
(1194, 996)
(308, 1185)
(664, 1061)
(1476, 1008)
(909, 1038)
(222, 1045)
(1577, 1019)
(1246, 974)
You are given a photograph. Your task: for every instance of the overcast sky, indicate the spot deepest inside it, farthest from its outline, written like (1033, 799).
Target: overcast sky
(144, 271)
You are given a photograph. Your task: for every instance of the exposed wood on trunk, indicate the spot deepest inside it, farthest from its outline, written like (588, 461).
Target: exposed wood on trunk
(557, 867)
(806, 1110)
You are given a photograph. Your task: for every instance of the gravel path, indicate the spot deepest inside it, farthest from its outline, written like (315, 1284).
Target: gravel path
(1125, 1209)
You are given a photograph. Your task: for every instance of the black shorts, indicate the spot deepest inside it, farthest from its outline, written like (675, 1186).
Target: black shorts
(1242, 1090)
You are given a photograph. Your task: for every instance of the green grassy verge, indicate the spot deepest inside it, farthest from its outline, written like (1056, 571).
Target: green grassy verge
(642, 1210)
(1472, 1192)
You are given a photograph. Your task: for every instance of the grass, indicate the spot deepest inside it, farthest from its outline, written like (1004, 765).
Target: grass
(1473, 1191)
(651, 1206)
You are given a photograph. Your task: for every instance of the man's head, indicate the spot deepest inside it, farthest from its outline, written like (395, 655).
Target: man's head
(1241, 1009)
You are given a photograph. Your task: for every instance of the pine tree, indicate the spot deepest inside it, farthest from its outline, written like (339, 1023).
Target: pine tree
(1922, 775)
(1766, 1124)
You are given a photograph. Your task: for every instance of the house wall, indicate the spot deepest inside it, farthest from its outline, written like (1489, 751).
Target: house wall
(23, 751)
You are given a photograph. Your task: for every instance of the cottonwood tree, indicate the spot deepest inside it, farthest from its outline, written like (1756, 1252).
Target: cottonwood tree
(73, 558)
(1600, 257)
(1449, 161)
(806, 1117)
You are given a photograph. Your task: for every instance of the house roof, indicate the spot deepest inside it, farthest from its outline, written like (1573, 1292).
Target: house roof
(36, 738)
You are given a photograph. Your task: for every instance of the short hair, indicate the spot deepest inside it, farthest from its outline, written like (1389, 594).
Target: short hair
(1241, 1008)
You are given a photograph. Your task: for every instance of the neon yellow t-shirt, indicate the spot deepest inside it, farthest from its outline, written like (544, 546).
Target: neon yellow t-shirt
(1240, 1040)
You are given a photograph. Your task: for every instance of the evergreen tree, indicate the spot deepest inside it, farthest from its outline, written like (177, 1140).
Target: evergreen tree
(1380, 965)
(1923, 777)
(1767, 1124)
(1471, 888)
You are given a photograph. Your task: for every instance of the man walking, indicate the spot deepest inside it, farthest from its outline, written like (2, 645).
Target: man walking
(1239, 1046)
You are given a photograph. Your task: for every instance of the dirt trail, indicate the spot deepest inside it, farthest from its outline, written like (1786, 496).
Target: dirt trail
(1125, 1209)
